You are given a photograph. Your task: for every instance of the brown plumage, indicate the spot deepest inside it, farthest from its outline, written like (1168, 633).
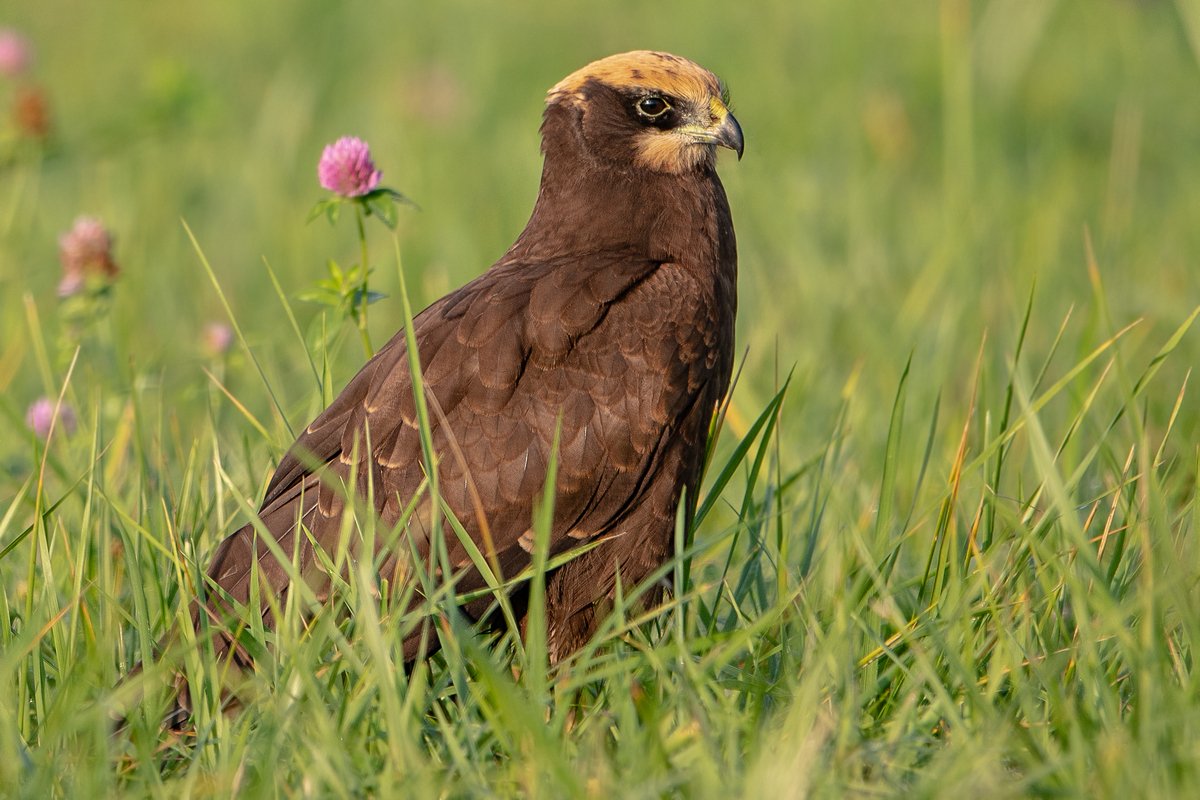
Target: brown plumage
(613, 310)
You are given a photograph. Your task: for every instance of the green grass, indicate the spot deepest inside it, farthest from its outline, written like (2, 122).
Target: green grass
(961, 557)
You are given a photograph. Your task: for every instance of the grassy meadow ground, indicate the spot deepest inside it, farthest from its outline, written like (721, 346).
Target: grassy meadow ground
(961, 560)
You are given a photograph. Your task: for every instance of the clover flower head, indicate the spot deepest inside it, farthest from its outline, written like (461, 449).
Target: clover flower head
(40, 417)
(85, 250)
(16, 54)
(217, 338)
(346, 168)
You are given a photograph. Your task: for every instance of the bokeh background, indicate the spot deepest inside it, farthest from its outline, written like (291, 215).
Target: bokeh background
(912, 170)
(956, 197)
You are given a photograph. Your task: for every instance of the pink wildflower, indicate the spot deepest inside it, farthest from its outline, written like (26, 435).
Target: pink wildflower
(217, 338)
(85, 250)
(16, 54)
(346, 168)
(40, 417)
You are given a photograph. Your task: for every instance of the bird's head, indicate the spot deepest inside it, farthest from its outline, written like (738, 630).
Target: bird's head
(648, 111)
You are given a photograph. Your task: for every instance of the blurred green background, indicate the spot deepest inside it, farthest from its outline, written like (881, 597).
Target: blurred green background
(911, 171)
(916, 175)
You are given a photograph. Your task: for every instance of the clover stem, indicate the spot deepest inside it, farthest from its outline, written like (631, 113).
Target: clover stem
(364, 295)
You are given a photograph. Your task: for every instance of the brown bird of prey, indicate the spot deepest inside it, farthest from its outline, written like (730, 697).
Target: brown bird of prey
(611, 319)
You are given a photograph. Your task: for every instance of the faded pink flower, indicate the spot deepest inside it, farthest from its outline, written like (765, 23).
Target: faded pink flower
(31, 112)
(85, 250)
(16, 54)
(40, 417)
(217, 338)
(346, 168)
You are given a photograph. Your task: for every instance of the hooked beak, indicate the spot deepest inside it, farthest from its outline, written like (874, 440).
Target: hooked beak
(727, 131)
(717, 127)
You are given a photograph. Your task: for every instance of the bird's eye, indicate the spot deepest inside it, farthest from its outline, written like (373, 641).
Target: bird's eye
(653, 107)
